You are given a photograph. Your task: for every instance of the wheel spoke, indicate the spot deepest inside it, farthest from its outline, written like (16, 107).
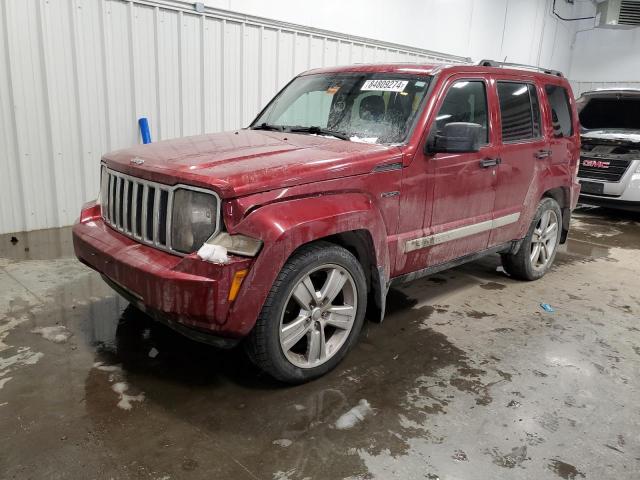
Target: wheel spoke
(305, 293)
(317, 346)
(544, 253)
(293, 332)
(340, 316)
(551, 229)
(535, 254)
(550, 245)
(544, 220)
(332, 286)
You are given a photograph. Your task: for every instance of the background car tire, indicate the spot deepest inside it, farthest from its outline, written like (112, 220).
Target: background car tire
(520, 265)
(264, 346)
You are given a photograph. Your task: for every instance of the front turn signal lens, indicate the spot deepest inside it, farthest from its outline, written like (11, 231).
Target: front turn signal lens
(238, 277)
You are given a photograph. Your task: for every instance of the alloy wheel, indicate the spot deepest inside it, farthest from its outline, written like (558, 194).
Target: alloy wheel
(318, 316)
(544, 239)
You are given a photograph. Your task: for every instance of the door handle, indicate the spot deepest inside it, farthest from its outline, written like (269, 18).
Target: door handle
(490, 162)
(542, 154)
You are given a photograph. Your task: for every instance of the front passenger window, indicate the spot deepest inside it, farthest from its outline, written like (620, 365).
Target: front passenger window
(466, 101)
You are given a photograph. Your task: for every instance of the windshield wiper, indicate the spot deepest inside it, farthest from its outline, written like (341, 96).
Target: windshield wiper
(315, 130)
(268, 126)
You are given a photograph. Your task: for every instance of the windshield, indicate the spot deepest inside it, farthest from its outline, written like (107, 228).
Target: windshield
(365, 107)
(610, 113)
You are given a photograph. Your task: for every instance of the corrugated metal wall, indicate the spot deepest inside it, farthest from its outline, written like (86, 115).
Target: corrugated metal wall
(580, 87)
(76, 74)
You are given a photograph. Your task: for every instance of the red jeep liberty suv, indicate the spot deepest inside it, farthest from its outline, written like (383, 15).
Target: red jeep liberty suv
(350, 180)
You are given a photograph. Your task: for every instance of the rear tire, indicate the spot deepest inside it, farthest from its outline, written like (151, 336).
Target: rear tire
(538, 250)
(312, 316)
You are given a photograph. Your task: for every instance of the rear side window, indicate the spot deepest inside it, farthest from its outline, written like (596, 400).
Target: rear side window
(561, 119)
(466, 101)
(519, 110)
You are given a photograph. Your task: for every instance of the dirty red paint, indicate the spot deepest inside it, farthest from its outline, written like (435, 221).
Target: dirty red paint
(288, 190)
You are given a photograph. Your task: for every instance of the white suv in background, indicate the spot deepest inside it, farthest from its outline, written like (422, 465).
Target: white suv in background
(609, 169)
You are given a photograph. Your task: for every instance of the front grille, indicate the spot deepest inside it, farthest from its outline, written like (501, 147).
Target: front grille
(613, 173)
(141, 209)
(138, 208)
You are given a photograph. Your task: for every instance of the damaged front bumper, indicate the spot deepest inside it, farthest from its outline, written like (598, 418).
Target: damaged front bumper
(186, 293)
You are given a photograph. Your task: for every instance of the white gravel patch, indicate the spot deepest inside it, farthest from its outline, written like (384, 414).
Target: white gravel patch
(55, 334)
(125, 399)
(354, 416)
(283, 442)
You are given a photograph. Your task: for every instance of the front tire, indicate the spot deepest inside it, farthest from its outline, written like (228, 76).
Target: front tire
(539, 247)
(312, 315)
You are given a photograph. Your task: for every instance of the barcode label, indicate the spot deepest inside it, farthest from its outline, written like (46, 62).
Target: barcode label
(385, 85)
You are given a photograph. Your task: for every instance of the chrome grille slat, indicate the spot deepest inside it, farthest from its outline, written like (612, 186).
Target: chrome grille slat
(134, 213)
(118, 202)
(125, 210)
(104, 181)
(125, 206)
(169, 217)
(112, 200)
(156, 217)
(145, 204)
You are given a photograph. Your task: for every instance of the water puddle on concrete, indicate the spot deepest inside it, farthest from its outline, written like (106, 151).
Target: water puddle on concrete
(614, 228)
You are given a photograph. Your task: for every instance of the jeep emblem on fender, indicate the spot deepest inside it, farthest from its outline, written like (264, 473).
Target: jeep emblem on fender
(137, 161)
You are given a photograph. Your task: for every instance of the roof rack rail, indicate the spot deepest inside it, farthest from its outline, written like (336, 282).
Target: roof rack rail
(493, 63)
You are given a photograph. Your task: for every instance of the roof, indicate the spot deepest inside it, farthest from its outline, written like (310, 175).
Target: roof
(420, 69)
(431, 69)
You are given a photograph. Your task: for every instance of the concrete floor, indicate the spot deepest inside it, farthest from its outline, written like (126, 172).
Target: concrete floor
(467, 378)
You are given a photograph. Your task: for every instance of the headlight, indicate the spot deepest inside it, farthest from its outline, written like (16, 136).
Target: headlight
(194, 219)
(237, 244)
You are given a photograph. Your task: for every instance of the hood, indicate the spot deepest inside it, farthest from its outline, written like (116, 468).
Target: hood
(612, 135)
(248, 161)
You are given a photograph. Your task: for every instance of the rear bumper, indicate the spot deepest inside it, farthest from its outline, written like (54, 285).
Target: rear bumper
(184, 292)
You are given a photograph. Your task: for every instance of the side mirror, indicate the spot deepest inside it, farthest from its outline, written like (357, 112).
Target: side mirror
(455, 137)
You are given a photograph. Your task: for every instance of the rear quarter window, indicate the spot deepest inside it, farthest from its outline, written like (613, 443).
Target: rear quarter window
(561, 117)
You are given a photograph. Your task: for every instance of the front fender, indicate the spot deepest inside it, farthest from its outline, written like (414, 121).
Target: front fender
(285, 226)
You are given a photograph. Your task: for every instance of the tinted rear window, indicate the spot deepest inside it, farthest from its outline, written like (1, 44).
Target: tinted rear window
(603, 113)
(561, 119)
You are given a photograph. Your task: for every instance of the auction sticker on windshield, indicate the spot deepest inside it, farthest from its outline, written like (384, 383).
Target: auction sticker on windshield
(385, 85)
